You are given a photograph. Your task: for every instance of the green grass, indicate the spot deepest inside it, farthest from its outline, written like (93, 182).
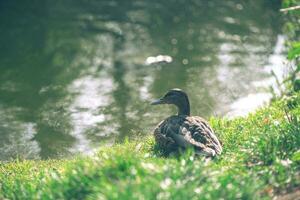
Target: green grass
(261, 159)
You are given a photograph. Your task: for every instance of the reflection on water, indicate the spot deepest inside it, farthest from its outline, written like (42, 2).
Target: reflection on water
(73, 73)
(277, 65)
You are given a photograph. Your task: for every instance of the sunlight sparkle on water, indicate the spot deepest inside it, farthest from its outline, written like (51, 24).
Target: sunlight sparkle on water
(93, 94)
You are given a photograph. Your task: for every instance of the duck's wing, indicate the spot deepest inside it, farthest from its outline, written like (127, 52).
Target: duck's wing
(202, 132)
(166, 134)
(187, 131)
(185, 139)
(196, 132)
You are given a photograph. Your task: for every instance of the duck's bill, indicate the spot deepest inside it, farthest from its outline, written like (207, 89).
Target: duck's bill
(157, 101)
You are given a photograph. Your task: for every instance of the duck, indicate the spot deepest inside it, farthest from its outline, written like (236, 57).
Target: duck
(183, 131)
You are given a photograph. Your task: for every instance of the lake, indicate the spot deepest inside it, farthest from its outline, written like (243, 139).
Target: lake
(76, 75)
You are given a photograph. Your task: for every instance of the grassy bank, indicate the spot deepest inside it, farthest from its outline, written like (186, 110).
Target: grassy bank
(261, 159)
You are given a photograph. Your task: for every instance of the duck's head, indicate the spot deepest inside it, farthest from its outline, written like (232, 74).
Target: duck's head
(177, 97)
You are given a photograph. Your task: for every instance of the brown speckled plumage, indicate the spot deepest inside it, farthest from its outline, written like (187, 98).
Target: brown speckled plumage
(182, 131)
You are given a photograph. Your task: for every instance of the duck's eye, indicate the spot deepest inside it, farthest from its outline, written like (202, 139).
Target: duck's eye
(169, 95)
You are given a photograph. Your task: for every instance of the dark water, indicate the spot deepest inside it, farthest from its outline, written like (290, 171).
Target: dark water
(73, 74)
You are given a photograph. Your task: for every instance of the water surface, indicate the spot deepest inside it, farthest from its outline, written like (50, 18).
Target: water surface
(73, 74)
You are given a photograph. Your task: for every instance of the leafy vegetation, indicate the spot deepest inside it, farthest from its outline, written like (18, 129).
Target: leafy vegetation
(261, 159)
(292, 30)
